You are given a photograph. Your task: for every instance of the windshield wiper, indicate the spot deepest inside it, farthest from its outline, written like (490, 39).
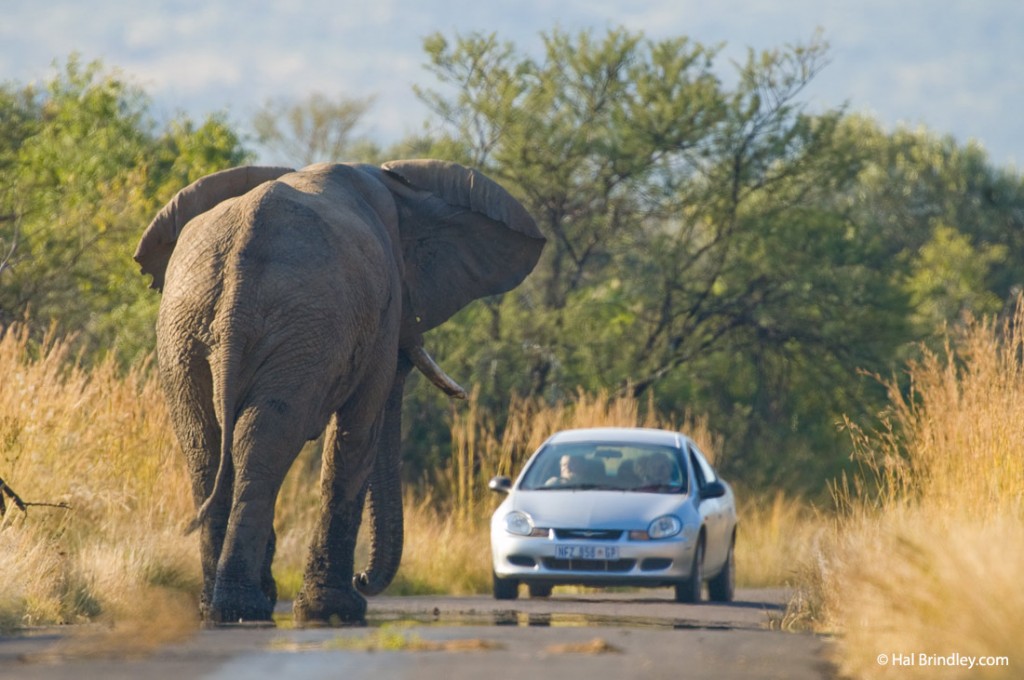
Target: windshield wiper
(576, 487)
(657, 488)
(587, 486)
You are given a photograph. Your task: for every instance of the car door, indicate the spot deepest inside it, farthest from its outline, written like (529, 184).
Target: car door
(713, 510)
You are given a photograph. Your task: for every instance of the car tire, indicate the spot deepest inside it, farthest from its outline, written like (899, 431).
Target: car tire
(722, 588)
(689, 590)
(539, 589)
(505, 588)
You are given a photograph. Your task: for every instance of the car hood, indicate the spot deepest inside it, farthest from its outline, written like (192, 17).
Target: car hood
(596, 509)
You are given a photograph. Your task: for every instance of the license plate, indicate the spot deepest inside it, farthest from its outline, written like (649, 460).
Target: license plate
(586, 552)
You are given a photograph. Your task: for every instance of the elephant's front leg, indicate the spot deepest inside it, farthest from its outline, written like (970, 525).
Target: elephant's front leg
(328, 595)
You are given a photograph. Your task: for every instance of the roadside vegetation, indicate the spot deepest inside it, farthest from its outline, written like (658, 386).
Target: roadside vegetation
(922, 556)
(828, 307)
(91, 453)
(102, 537)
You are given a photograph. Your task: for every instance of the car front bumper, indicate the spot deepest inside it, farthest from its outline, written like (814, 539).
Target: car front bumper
(623, 561)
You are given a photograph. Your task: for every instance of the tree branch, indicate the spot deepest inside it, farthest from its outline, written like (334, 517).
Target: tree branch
(22, 505)
(5, 262)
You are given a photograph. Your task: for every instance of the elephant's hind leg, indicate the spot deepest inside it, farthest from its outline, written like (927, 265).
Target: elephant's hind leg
(267, 583)
(188, 384)
(267, 440)
(328, 594)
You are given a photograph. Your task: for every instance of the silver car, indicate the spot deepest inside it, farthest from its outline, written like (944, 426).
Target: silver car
(613, 507)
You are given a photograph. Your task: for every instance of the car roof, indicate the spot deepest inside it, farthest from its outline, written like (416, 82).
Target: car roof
(638, 435)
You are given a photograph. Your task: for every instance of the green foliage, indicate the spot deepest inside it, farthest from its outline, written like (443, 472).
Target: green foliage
(715, 244)
(687, 250)
(947, 224)
(83, 170)
(948, 278)
(710, 242)
(315, 130)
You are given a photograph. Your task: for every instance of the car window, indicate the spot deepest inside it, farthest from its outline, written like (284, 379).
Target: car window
(604, 465)
(701, 468)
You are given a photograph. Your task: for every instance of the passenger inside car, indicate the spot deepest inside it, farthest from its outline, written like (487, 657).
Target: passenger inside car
(578, 470)
(626, 476)
(655, 470)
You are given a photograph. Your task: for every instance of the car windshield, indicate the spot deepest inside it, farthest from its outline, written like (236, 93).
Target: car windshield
(602, 465)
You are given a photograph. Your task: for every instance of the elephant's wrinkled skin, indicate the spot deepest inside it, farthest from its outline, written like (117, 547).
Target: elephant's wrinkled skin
(294, 302)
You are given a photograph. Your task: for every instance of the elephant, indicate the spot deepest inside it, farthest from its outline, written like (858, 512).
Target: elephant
(293, 305)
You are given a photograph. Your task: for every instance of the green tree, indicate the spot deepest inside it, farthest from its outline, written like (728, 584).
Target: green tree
(83, 170)
(939, 217)
(948, 279)
(692, 244)
(315, 130)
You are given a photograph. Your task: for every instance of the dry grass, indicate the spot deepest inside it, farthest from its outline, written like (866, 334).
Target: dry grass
(99, 442)
(447, 537)
(924, 557)
(921, 557)
(455, 514)
(777, 534)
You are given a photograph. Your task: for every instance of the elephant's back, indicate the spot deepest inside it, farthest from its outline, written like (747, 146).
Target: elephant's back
(279, 244)
(299, 285)
(297, 248)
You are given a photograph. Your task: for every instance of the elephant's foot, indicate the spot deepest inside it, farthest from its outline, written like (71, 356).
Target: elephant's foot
(206, 605)
(269, 588)
(330, 606)
(237, 604)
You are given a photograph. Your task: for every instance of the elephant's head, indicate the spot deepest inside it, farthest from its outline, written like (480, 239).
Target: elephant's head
(462, 237)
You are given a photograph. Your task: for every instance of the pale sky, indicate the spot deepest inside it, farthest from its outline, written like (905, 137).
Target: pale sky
(954, 66)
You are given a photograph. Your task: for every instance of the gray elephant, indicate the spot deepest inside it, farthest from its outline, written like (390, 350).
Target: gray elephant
(294, 304)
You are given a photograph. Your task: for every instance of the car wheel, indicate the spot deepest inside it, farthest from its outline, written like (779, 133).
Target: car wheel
(722, 588)
(539, 589)
(689, 590)
(505, 588)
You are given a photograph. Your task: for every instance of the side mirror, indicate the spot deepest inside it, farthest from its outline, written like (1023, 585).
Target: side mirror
(500, 484)
(713, 490)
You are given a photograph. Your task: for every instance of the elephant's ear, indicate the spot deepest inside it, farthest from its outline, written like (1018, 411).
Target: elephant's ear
(463, 237)
(157, 242)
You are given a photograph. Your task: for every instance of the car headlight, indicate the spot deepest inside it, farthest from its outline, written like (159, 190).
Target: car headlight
(518, 523)
(665, 526)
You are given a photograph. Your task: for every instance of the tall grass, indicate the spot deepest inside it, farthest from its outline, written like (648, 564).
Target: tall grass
(924, 557)
(100, 442)
(456, 510)
(447, 544)
(777, 534)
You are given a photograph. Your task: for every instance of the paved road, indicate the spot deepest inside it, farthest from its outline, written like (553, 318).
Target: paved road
(593, 636)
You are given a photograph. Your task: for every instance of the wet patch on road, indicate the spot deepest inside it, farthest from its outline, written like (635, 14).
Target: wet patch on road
(515, 617)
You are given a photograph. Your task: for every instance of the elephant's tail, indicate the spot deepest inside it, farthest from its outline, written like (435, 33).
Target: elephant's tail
(223, 390)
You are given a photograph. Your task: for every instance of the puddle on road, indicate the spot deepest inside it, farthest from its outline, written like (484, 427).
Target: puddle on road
(513, 617)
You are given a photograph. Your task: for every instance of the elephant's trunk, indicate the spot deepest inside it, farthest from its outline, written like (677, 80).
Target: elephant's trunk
(385, 495)
(385, 489)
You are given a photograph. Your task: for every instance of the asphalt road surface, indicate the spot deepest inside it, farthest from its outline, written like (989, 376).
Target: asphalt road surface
(641, 634)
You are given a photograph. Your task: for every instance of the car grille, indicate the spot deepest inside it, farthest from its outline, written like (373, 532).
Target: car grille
(589, 534)
(614, 566)
(655, 564)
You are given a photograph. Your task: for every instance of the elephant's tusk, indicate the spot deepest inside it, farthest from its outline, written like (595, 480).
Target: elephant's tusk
(428, 367)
